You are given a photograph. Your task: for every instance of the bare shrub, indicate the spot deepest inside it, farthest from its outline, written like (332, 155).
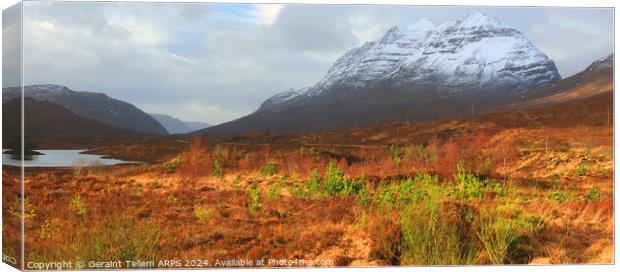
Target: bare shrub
(196, 162)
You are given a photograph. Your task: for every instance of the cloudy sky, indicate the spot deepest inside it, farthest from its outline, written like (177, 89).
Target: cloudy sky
(218, 62)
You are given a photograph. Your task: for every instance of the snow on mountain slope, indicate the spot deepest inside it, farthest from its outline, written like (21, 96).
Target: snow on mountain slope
(477, 53)
(374, 60)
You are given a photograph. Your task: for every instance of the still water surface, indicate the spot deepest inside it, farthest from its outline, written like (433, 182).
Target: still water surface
(62, 158)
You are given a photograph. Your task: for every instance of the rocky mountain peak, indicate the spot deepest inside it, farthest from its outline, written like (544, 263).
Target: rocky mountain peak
(480, 20)
(477, 53)
(47, 88)
(602, 64)
(407, 33)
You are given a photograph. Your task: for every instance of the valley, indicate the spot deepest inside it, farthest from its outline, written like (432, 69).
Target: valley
(504, 187)
(450, 144)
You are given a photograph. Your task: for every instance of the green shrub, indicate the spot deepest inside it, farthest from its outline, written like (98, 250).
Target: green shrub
(15, 208)
(395, 154)
(422, 186)
(430, 231)
(203, 213)
(408, 150)
(314, 185)
(217, 168)
(49, 229)
(594, 194)
(118, 238)
(255, 198)
(433, 233)
(394, 151)
(559, 195)
(497, 188)
(469, 185)
(78, 169)
(336, 184)
(77, 206)
(172, 165)
(298, 190)
(363, 196)
(312, 188)
(273, 191)
(421, 152)
(269, 169)
(386, 195)
(406, 189)
(236, 183)
(437, 225)
(496, 236)
(582, 169)
(505, 237)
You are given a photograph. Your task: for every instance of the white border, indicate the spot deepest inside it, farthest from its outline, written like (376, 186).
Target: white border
(531, 268)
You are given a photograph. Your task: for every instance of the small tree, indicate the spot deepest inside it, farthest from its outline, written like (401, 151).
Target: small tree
(193, 162)
(78, 170)
(15, 148)
(217, 168)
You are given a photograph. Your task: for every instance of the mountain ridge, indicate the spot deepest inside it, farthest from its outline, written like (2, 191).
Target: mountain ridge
(456, 53)
(595, 80)
(177, 126)
(417, 72)
(53, 126)
(93, 105)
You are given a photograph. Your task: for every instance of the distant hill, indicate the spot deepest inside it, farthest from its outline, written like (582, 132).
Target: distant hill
(596, 79)
(51, 125)
(197, 125)
(97, 106)
(177, 126)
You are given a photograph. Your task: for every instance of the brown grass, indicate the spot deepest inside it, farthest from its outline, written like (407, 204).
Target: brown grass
(190, 213)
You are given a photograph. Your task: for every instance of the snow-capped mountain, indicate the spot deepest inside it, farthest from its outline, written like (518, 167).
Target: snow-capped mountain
(476, 53)
(96, 106)
(417, 72)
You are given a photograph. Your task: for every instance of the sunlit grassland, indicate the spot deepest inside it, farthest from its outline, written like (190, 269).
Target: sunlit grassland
(475, 199)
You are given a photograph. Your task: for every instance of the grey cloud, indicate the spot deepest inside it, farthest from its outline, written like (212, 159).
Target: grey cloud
(573, 38)
(11, 46)
(193, 11)
(314, 28)
(197, 63)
